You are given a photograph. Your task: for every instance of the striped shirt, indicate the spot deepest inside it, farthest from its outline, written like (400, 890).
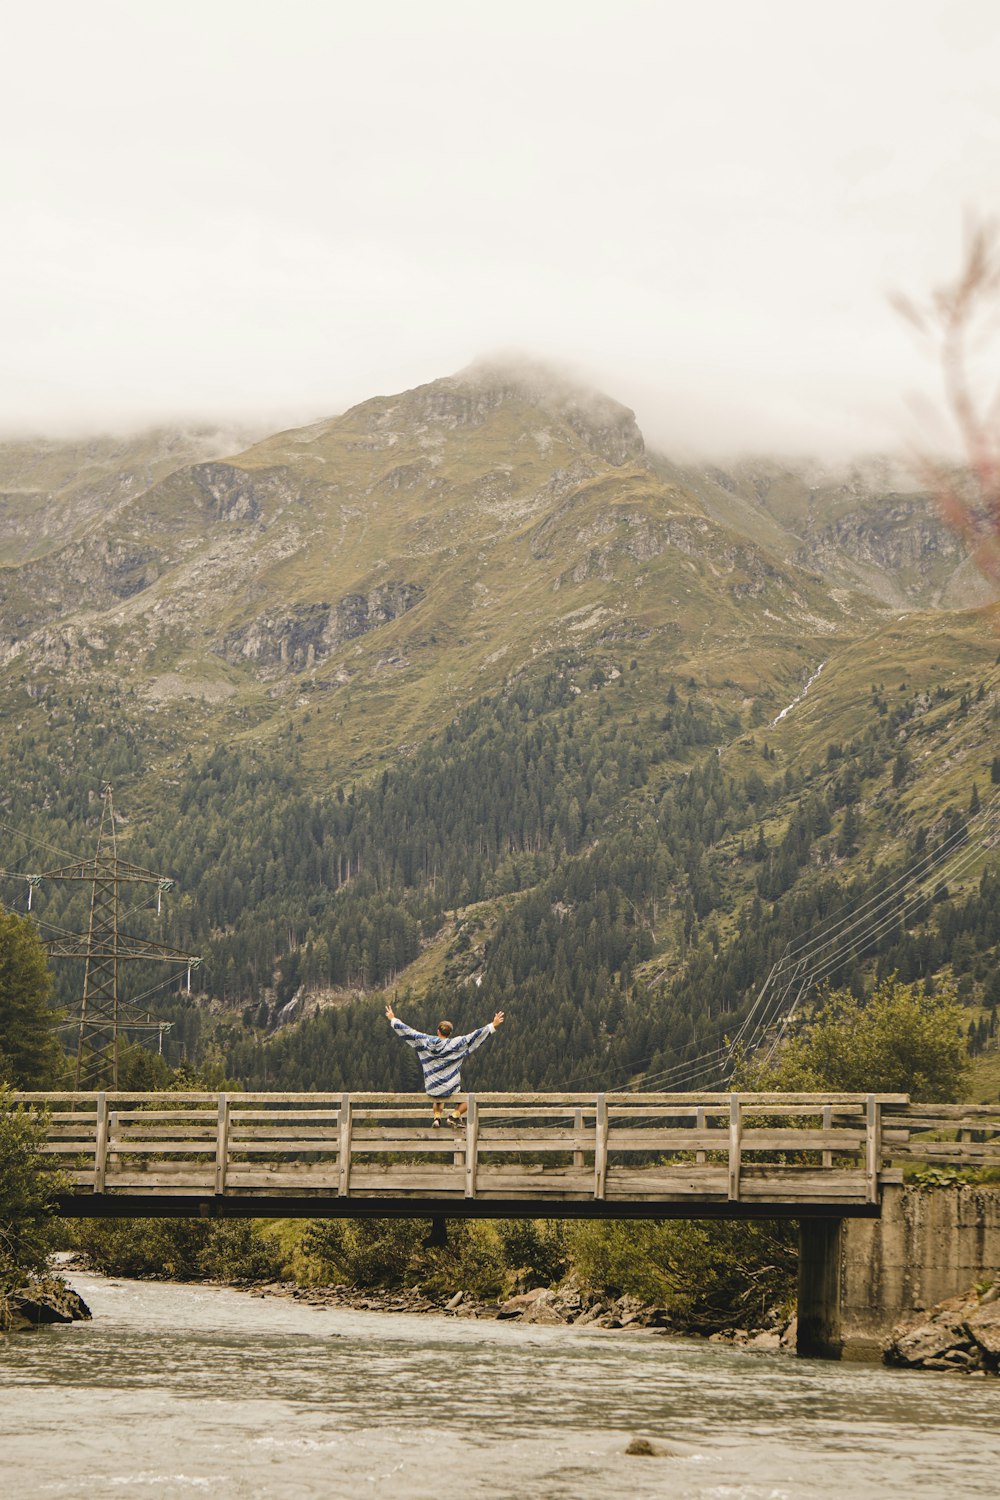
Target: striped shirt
(441, 1057)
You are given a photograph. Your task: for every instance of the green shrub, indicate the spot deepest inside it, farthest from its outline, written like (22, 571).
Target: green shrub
(898, 1039)
(182, 1249)
(392, 1252)
(28, 1230)
(472, 1261)
(534, 1249)
(707, 1275)
(364, 1252)
(241, 1250)
(153, 1248)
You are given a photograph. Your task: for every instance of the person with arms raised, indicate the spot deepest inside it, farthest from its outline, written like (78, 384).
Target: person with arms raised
(441, 1058)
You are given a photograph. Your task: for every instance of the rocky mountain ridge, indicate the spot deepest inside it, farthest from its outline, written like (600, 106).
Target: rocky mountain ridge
(451, 536)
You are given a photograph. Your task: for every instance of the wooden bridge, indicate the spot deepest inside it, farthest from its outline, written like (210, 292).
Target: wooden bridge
(637, 1155)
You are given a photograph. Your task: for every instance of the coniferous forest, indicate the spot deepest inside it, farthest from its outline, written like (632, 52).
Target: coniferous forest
(620, 882)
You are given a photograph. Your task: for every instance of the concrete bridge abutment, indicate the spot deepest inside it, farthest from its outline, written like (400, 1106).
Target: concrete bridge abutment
(858, 1278)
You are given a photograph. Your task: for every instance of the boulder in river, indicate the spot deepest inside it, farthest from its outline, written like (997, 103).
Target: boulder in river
(642, 1448)
(47, 1300)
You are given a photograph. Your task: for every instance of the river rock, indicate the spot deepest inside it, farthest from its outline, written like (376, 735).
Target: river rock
(525, 1304)
(628, 1310)
(927, 1341)
(546, 1308)
(643, 1448)
(45, 1301)
(596, 1314)
(983, 1326)
(767, 1338)
(962, 1333)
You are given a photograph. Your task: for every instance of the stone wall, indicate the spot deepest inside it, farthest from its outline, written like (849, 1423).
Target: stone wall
(929, 1244)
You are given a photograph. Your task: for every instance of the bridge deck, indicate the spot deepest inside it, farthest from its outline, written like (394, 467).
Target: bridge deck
(619, 1155)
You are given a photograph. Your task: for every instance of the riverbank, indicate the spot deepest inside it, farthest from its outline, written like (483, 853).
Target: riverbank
(687, 1280)
(735, 1280)
(567, 1305)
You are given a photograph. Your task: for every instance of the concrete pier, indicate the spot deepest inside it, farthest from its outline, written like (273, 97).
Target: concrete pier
(819, 1302)
(858, 1278)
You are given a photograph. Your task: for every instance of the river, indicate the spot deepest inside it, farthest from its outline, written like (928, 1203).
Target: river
(175, 1391)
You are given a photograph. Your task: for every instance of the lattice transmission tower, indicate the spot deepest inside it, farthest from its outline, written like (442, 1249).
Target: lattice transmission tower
(103, 1016)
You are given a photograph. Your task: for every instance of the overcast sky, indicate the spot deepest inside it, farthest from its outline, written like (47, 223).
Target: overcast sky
(274, 210)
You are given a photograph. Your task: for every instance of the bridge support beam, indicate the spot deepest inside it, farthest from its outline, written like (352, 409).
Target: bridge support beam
(820, 1251)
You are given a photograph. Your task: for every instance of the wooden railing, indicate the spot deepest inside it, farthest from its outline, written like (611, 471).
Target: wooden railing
(782, 1149)
(945, 1135)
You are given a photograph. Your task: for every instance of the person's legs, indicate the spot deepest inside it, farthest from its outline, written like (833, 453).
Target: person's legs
(460, 1111)
(438, 1112)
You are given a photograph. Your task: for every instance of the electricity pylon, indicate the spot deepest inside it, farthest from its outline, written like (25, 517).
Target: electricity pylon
(104, 946)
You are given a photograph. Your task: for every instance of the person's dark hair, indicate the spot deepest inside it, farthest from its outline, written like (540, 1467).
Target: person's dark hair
(445, 1028)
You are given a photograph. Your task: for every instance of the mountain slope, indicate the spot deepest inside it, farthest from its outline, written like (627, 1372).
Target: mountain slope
(391, 562)
(865, 526)
(52, 491)
(462, 691)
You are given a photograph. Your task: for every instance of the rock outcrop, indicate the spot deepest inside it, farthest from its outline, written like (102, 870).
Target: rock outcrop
(604, 426)
(299, 637)
(960, 1334)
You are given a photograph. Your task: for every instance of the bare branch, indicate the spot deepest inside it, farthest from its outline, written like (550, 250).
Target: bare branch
(960, 318)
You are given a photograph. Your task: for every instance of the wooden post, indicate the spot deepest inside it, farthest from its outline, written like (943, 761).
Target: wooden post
(699, 1124)
(471, 1147)
(101, 1143)
(222, 1144)
(577, 1127)
(344, 1148)
(601, 1147)
(828, 1125)
(735, 1146)
(873, 1147)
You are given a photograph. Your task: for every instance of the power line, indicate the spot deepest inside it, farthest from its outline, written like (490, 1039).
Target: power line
(917, 875)
(867, 923)
(30, 839)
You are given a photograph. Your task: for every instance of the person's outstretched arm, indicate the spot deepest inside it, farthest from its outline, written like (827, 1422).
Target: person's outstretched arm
(476, 1039)
(410, 1037)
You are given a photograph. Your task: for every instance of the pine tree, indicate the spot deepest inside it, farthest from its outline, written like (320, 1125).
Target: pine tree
(30, 1055)
(847, 843)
